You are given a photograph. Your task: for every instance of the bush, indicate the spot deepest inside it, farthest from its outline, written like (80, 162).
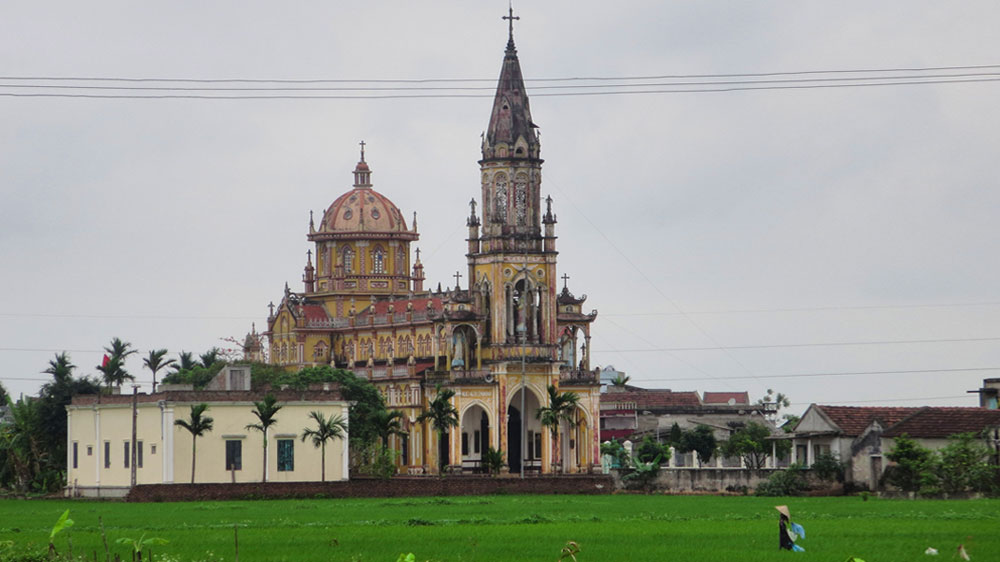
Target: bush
(963, 465)
(828, 468)
(913, 469)
(788, 482)
(617, 452)
(649, 449)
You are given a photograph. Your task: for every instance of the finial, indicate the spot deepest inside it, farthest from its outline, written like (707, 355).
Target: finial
(270, 306)
(311, 226)
(309, 257)
(565, 279)
(458, 277)
(362, 151)
(472, 205)
(418, 254)
(414, 221)
(510, 19)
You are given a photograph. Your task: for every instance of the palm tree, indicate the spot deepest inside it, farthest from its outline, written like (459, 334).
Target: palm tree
(60, 368)
(561, 408)
(621, 380)
(185, 362)
(210, 357)
(155, 362)
(113, 368)
(265, 411)
(388, 423)
(333, 427)
(197, 425)
(442, 415)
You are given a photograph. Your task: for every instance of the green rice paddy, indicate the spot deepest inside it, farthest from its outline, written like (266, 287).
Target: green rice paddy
(494, 528)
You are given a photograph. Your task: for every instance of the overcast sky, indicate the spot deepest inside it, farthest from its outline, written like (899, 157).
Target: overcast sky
(752, 226)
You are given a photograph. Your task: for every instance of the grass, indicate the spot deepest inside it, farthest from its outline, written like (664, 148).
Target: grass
(494, 528)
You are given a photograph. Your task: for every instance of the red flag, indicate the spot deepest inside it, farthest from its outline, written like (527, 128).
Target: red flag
(104, 362)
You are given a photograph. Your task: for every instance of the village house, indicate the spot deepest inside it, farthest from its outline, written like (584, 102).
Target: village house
(99, 437)
(861, 436)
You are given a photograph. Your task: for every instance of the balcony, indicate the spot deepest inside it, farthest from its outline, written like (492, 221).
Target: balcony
(580, 377)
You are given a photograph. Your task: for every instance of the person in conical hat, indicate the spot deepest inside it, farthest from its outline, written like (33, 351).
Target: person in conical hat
(788, 531)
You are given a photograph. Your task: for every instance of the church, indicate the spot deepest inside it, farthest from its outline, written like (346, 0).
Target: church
(499, 342)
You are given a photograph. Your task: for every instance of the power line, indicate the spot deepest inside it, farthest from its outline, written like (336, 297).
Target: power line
(838, 374)
(458, 96)
(884, 400)
(794, 345)
(811, 309)
(126, 316)
(528, 80)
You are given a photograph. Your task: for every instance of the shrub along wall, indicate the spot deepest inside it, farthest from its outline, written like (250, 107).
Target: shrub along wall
(375, 488)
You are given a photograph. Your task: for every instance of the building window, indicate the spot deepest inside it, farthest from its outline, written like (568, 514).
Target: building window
(76, 453)
(127, 456)
(476, 437)
(152, 449)
(378, 261)
(234, 454)
(138, 454)
(538, 445)
(286, 455)
(107, 454)
(348, 260)
(90, 450)
(465, 443)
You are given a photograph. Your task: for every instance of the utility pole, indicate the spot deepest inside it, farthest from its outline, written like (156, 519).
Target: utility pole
(135, 414)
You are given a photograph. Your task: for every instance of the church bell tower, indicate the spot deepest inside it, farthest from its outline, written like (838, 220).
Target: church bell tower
(512, 257)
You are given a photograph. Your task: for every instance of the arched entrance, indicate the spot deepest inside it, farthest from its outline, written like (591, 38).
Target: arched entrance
(475, 438)
(580, 442)
(524, 433)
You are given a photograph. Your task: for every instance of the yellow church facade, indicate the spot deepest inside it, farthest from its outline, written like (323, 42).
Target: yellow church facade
(499, 342)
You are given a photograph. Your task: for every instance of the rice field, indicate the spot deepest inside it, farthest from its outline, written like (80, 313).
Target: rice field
(495, 528)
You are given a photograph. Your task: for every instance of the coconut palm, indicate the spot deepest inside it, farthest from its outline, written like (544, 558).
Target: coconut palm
(387, 423)
(333, 427)
(155, 362)
(621, 380)
(185, 362)
(442, 415)
(265, 411)
(561, 408)
(197, 425)
(210, 357)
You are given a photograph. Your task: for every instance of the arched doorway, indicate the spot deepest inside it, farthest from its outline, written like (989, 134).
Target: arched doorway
(475, 438)
(580, 442)
(524, 433)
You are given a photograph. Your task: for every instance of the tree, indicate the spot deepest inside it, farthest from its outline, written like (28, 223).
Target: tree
(333, 427)
(387, 423)
(265, 411)
(197, 425)
(209, 358)
(779, 401)
(185, 362)
(620, 380)
(751, 443)
(649, 449)
(155, 362)
(562, 407)
(53, 398)
(913, 465)
(964, 464)
(701, 440)
(442, 415)
(113, 367)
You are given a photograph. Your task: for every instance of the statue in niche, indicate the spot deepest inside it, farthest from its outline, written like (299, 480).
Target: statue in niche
(458, 350)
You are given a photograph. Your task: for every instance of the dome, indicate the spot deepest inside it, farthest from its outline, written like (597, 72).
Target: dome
(362, 209)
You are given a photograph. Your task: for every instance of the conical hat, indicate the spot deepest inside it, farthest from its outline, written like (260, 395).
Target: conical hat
(783, 509)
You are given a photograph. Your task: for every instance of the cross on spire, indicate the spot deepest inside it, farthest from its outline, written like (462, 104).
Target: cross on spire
(362, 150)
(457, 277)
(565, 279)
(510, 19)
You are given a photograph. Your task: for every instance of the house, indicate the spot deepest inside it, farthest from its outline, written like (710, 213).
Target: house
(100, 451)
(861, 436)
(988, 393)
(632, 413)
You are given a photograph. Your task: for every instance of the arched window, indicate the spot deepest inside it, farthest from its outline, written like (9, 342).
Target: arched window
(378, 260)
(347, 257)
(500, 191)
(521, 198)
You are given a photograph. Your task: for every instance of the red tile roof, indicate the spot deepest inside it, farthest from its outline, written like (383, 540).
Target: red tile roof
(724, 397)
(646, 399)
(943, 422)
(314, 312)
(853, 420)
